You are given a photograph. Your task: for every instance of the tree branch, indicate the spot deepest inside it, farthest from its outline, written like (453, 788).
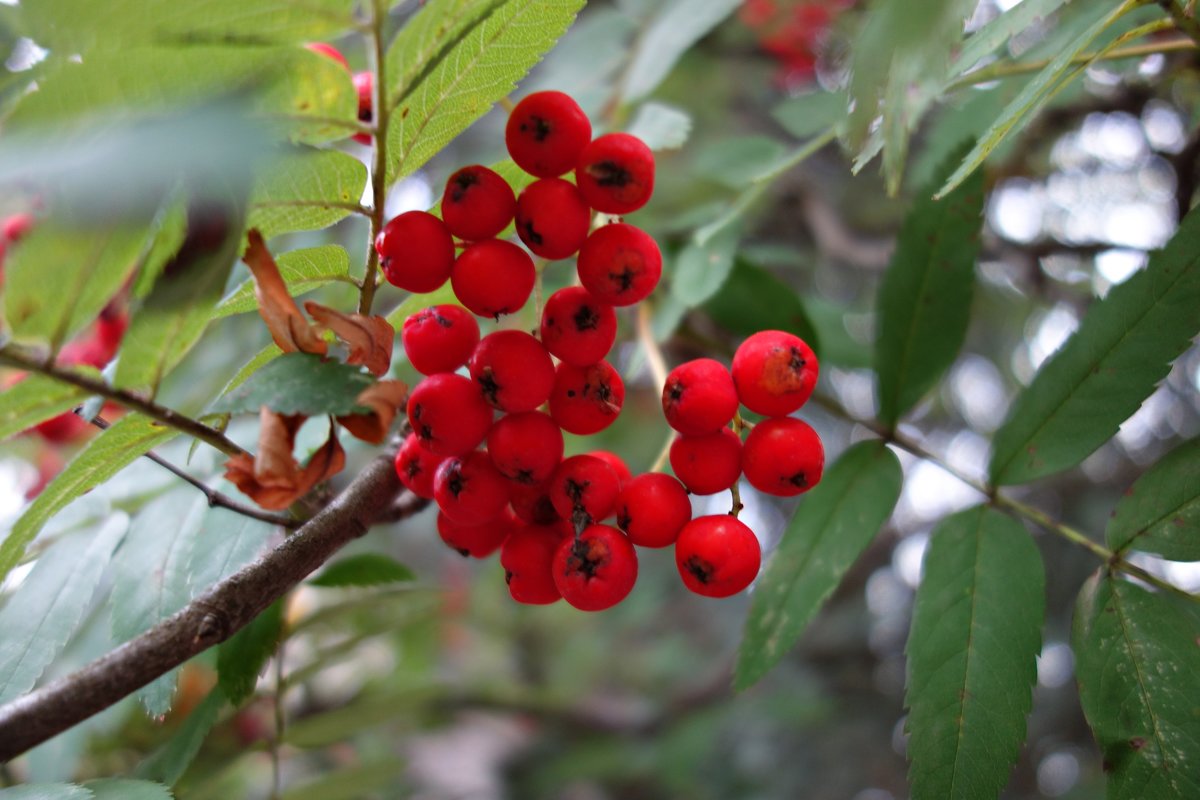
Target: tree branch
(206, 621)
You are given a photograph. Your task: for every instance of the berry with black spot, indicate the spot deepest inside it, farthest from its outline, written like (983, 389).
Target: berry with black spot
(439, 338)
(364, 86)
(652, 509)
(616, 173)
(527, 556)
(532, 503)
(546, 133)
(620, 264)
(416, 252)
(477, 541)
(513, 370)
(469, 490)
(577, 328)
(774, 372)
(717, 556)
(597, 569)
(624, 474)
(699, 397)
(584, 490)
(586, 400)
(783, 456)
(493, 277)
(526, 447)
(415, 466)
(707, 464)
(478, 203)
(552, 218)
(448, 414)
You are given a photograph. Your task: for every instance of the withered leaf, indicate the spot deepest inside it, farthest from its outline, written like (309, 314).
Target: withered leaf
(369, 338)
(288, 327)
(273, 478)
(385, 399)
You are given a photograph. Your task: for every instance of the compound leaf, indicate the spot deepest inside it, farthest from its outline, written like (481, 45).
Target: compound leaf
(1160, 513)
(300, 383)
(302, 270)
(37, 398)
(305, 190)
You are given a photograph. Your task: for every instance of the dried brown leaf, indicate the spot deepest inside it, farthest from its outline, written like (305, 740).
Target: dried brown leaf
(288, 327)
(385, 399)
(369, 338)
(273, 478)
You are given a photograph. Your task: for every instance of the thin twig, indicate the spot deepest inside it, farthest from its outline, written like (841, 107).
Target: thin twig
(1182, 21)
(277, 740)
(377, 54)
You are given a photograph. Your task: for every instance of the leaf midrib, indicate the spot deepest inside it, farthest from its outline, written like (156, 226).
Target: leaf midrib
(962, 694)
(1123, 622)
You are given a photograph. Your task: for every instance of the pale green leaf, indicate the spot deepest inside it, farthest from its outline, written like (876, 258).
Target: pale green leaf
(421, 43)
(46, 791)
(1160, 513)
(127, 789)
(365, 569)
(735, 162)
(701, 270)
(302, 270)
(676, 26)
(996, 33)
(36, 398)
(242, 659)
(304, 190)
(661, 127)
(808, 114)
(167, 764)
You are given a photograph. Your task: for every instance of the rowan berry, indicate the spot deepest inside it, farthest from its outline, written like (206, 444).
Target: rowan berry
(448, 414)
(479, 541)
(584, 489)
(774, 372)
(783, 456)
(595, 570)
(699, 397)
(586, 400)
(478, 203)
(717, 556)
(552, 218)
(439, 338)
(16, 226)
(624, 475)
(526, 447)
(546, 134)
(527, 556)
(616, 173)
(469, 489)
(364, 86)
(652, 509)
(620, 264)
(513, 370)
(493, 277)
(532, 504)
(577, 328)
(707, 464)
(416, 252)
(415, 466)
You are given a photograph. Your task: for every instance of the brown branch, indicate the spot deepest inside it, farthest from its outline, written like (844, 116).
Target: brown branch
(206, 621)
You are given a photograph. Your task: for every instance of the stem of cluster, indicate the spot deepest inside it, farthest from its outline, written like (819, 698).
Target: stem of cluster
(377, 56)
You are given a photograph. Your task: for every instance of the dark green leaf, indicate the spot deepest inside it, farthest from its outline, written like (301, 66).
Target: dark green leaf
(366, 569)
(1122, 349)
(241, 659)
(302, 271)
(1136, 660)
(924, 301)
(37, 398)
(1160, 513)
(349, 783)
(972, 654)
(127, 789)
(701, 269)
(753, 300)
(257, 362)
(105, 456)
(677, 25)
(45, 611)
(169, 762)
(306, 190)
(835, 523)
(300, 383)
(46, 791)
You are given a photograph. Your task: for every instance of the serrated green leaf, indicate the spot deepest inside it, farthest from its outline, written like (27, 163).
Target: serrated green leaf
(924, 302)
(735, 162)
(702, 269)
(167, 764)
(1136, 661)
(257, 362)
(972, 654)
(302, 270)
(661, 127)
(46, 791)
(127, 789)
(482, 66)
(241, 659)
(753, 300)
(422, 42)
(305, 190)
(996, 33)
(365, 569)
(836, 522)
(300, 383)
(169, 232)
(105, 456)
(37, 398)
(349, 783)
(1160, 513)
(47, 608)
(1122, 349)
(808, 114)
(677, 25)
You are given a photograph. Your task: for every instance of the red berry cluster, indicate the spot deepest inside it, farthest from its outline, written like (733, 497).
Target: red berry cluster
(792, 32)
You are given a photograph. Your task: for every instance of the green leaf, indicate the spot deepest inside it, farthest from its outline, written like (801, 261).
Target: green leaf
(127, 789)
(106, 455)
(300, 383)
(996, 33)
(366, 569)
(1160, 513)
(349, 783)
(702, 269)
(169, 233)
(972, 654)
(661, 127)
(677, 25)
(423, 42)
(257, 362)
(808, 114)
(45, 611)
(1136, 660)
(753, 300)
(924, 302)
(1122, 349)
(735, 162)
(302, 270)
(36, 398)
(46, 791)
(241, 659)
(481, 66)
(305, 190)
(837, 345)
(169, 762)
(835, 523)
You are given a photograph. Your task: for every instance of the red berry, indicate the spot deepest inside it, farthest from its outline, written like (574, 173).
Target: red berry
(415, 466)
(616, 173)
(774, 372)
(699, 397)
(439, 338)
(478, 203)
(552, 218)
(783, 456)
(527, 556)
(364, 86)
(66, 427)
(620, 264)
(329, 51)
(584, 489)
(707, 464)
(597, 569)
(526, 447)
(416, 252)
(577, 328)
(513, 370)
(624, 475)
(110, 329)
(448, 414)
(532, 504)
(717, 556)
(652, 509)
(586, 400)
(469, 489)
(546, 133)
(479, 541)
(493, 277)
(16, 226)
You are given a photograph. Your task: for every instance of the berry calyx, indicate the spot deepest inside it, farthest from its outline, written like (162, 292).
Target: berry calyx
(416, 252)
(774, 372)
(620, 264)
(616, 173)
(652, 509)
(597, 569)
(699, 397)
(584, 490)
(415, 466)
(477, 203)
(527, 556)
(586, 400)
(493, 277)
(526, 447)
(477, 541)
(439, 338)
(552, 218)
(577, 328)
(448, 414)
(513, 370)
(469, 490)
(783, 456)
(717, 556)
(707, 464)
(546, 133)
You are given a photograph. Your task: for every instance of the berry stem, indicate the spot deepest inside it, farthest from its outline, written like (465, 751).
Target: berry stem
(737, 506)
(376, 55)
